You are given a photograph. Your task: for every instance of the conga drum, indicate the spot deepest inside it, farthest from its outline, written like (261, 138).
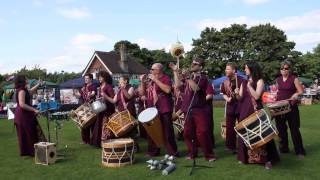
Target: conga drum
(279, 108)
(83, 116)
(256, 130)
(120, 123)
(118, 152)
(151, 122)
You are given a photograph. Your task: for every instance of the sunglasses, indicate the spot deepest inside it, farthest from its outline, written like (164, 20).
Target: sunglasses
(193, 64)
(285, 69)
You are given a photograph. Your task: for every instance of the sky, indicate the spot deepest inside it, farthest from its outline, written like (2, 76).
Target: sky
(62, 35)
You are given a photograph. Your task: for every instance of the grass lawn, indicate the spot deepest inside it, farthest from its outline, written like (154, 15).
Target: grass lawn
(84, 162)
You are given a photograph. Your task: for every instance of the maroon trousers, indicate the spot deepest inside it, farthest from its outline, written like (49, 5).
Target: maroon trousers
(27, 137)
(86, 133)
(231, 138)
(293, 119)
(211, 124)
(168, 132)
(196, 126)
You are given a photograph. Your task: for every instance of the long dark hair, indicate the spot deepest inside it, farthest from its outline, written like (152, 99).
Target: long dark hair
(106, 76)
(20, 81)
(255, 70)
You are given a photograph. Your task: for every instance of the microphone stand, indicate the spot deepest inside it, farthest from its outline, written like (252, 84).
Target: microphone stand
(193, 133)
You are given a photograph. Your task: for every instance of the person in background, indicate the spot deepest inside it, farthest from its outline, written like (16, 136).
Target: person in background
(28, 128)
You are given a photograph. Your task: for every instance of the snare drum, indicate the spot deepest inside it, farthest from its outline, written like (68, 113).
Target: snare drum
(83, 116)
(151, 122)
(120, 123)
(118, 152)
(256, 130)
(279, 107)
(98, 106)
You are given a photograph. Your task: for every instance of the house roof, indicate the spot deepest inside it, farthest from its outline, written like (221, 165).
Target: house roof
(112, 61)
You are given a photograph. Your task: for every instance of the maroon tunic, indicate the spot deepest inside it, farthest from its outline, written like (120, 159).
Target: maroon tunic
(285, 90)
(85, 132)
(28, 128)
(196, 125)
(232, 111)
(124, 103)
(102, 118)
(164, 103)
(266, 153)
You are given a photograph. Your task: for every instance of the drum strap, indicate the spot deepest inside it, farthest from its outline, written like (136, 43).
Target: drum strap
(124, 104)
(254, 103)
(154, 94)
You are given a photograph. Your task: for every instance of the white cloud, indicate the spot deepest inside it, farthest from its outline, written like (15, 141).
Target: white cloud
(307, 21)
(84, 39)
(77, 53)
(38, 3)
(305, 38)
(64, 1)
(303, 29)
(149, 44)
(221, 23)
(75, 13)
(2, 21)
(255, 2)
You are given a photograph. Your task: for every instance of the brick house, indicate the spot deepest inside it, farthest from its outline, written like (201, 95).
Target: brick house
(115, 63)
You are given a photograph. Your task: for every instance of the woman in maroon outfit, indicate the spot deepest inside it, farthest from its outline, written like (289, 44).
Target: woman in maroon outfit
(289, 88)
(28, 128)
(250, 96)
(106, 92)
(125, 98)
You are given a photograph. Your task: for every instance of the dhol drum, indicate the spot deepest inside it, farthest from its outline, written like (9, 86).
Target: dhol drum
(120, 123)
(83, 116)
(256, 130)
(151, 122)
(178, 120)
(118, 152)
(279, 108)
(224, 129)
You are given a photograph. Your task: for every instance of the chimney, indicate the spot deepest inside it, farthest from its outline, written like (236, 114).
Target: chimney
(123, 58)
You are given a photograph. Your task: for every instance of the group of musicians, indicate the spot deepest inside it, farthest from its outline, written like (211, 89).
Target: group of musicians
(191, 93)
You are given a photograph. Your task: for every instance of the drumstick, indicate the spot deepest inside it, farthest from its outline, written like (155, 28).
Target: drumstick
(236, 80)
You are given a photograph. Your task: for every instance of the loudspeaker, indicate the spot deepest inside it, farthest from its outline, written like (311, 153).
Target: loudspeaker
(45, 153)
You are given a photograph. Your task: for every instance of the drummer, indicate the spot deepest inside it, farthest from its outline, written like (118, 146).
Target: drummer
(196, 127)
(125, 100)
(228, 86)
(250, 94)
(88, 94)
(159, 95)
(289, 88)
(107, 94)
